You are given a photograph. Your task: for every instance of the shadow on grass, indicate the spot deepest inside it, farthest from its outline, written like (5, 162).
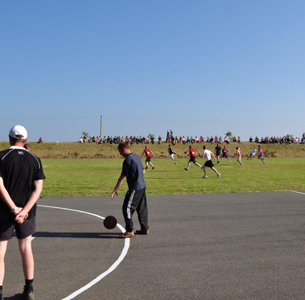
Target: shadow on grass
(78, 235)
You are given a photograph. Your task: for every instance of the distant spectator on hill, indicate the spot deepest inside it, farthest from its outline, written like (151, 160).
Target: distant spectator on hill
(40, 140)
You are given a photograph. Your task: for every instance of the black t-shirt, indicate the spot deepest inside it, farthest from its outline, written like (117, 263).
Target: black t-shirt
(170, 150)
(217, 149)
(19, 170)
(133, 170)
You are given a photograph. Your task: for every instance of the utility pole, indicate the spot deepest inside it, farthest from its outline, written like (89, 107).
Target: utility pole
(101, 126)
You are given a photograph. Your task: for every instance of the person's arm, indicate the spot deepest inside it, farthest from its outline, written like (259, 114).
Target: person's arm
(118, 184)
(7, 198)
(23, 214)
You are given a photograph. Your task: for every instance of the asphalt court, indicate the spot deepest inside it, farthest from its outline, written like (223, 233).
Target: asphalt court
(220, 246)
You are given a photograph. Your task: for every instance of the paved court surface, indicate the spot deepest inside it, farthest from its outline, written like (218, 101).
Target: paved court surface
(225, 246)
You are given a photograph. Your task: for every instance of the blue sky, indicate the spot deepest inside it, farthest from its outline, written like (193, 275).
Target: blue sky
(197, 67)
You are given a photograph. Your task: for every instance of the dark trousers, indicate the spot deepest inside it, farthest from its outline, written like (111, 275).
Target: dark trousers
(135, 201)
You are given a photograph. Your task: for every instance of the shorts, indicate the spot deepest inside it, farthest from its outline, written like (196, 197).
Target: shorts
(261, 155)
(209, 164)
(192, 159)
(24, 230)
(238, 158)
(226, 155)
(172, 156)
(148, 159)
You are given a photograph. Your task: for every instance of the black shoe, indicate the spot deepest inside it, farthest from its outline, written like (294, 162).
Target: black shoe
(28, 295)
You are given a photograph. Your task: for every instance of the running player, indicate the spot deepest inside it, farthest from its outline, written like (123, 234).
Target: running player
(192, 153)
(217, 152)
(225, 153)
(208, 155)
(238, 154)
(148, 153)
(172, 153)
(261, 154)
(252, 154)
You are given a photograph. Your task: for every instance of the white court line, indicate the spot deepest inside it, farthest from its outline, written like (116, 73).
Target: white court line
(114, 265)
(298, 192)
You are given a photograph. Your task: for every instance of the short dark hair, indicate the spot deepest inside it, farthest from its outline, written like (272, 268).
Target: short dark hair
(124, 145)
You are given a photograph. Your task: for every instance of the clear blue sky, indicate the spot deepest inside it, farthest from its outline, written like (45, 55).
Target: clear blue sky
(197, 67)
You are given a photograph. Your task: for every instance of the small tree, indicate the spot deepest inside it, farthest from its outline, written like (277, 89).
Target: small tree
(85, 134)
(289, 136)
(229, 135)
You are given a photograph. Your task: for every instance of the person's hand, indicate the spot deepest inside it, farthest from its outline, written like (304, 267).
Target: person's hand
(21, 216)
(114, 193)
(17, 210)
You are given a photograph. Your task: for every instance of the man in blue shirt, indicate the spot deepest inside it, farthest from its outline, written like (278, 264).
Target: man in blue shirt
(135, 198)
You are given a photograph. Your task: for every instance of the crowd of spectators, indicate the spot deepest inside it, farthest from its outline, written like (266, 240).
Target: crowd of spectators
(278, 140)
(170, 138)
(117, 139)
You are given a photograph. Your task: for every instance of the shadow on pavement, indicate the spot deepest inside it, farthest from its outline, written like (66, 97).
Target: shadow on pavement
(16, 297)
(78, 235)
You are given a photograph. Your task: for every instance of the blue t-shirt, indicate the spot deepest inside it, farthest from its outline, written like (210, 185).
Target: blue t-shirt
(133, 170)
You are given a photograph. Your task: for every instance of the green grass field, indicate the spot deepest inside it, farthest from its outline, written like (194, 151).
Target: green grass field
(96, 177)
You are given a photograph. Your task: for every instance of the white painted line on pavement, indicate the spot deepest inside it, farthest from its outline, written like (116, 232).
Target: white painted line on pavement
(114, 265)
(298, 192)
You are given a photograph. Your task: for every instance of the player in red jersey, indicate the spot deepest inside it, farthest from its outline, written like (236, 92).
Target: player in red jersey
(148, 153)
(261, 153)
(192, 153)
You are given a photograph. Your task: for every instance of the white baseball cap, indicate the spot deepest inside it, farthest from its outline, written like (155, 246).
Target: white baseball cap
(18, 132)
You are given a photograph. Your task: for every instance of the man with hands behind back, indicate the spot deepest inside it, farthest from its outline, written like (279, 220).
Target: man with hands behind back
(21, 182)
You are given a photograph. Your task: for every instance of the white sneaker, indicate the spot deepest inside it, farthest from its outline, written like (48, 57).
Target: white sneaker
(218, 175)
(204, 176)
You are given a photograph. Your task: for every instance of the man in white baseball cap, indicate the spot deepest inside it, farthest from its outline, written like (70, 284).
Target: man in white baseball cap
(21, 182)
(18, 132)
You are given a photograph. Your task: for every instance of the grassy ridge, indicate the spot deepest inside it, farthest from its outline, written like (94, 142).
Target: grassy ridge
(95, 177)
(91, 173)
(92, 150)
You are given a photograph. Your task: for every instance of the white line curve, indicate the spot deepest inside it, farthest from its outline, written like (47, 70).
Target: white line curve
(113, 266)
(298, 192)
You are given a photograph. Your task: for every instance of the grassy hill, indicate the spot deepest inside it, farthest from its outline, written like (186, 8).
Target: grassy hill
(93, 150)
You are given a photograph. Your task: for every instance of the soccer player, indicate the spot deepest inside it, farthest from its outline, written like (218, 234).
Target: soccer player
(135, 198)
(217, 152)
(21, 181)
(148, 153)
(261, 154)
(172, 153)
(225, 153)
(192, 153)
(252, 154)
(208, 155)
(238, 154)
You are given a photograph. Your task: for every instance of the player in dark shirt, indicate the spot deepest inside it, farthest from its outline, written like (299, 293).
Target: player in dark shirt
(217, 152)
(135, 198)
(21, 181)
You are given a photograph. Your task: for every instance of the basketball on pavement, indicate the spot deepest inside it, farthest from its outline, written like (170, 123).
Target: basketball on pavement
(110, 222)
